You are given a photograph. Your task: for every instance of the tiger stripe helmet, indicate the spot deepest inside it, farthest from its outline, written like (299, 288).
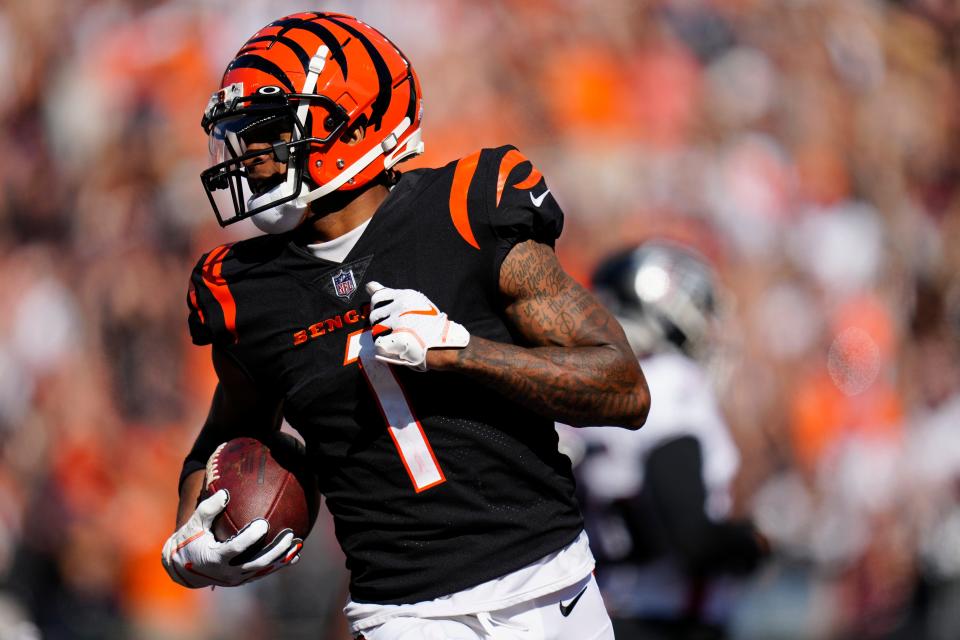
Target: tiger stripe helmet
(300, 84)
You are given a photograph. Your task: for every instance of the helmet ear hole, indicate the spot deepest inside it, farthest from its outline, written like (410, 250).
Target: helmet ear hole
(354, 134)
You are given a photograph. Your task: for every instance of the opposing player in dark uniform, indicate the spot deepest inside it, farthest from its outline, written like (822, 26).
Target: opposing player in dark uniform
(418, 332)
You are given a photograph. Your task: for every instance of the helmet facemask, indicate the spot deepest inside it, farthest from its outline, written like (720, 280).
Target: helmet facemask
(248, 134)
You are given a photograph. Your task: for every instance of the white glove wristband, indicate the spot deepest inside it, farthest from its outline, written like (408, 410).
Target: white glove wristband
(416, 326)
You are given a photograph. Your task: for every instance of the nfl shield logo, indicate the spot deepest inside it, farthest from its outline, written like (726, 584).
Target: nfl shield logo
(343, 283)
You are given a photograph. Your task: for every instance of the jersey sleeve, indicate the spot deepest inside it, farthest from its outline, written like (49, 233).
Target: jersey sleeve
(211, 310)
(521, 206)
(200, 332)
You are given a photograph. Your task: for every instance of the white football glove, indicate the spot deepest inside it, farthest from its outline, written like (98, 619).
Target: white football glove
(194, 558)
(415, 323)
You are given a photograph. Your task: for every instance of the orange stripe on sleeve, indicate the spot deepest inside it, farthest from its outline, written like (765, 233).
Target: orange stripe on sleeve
(462, 176)
(217, 284)
(507, 163)
(531, 180)
(192, 299)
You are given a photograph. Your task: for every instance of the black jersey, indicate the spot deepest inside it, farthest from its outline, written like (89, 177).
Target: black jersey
(435, 483)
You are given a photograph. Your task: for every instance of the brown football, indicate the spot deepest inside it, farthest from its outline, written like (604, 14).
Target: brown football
(269, 480)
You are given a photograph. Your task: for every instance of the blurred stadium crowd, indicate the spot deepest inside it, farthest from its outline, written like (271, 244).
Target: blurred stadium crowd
(809, 147)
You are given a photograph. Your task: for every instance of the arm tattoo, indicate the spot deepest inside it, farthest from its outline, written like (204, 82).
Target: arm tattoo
(580, 368)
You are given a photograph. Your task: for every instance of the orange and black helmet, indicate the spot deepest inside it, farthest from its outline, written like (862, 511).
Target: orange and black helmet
(300, 84)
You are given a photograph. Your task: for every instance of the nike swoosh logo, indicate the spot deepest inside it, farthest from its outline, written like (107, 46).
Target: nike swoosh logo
(539, 199)
(566, 609)
(432, 311)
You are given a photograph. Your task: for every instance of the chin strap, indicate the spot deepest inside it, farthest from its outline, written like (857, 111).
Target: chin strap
(358, 166)
(389, 143)
(317, 63)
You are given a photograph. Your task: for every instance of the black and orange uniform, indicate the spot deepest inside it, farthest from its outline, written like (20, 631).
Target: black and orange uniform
(496, 495)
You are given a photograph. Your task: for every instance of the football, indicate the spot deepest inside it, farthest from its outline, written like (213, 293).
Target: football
(266, 479)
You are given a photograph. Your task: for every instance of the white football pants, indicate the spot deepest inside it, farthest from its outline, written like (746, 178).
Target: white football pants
(573, 613)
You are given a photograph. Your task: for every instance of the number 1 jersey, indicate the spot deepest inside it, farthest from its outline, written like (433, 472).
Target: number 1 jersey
(435, 483)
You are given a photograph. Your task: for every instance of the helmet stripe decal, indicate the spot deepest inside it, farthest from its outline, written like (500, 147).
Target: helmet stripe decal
(462, 177)
(412, 106)
(294, 46)
(380, 104)
(336, 49)
(217, 285)
(251, 61)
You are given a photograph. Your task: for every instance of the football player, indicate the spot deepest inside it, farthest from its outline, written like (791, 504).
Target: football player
(419, 333)
(657, 502)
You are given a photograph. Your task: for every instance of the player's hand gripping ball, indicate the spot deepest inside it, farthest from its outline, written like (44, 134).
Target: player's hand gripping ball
(258, 504)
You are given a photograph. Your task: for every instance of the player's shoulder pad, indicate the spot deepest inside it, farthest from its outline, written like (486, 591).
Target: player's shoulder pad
(210, 295)
(500, 187)
(235, 260)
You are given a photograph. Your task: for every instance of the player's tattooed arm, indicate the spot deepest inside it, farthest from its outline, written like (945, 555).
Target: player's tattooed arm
(583, 372)
(238, 409)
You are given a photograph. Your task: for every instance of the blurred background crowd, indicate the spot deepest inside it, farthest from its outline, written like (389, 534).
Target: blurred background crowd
(808, 147)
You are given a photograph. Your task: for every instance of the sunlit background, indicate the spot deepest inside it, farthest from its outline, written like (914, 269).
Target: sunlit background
(809, 147)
